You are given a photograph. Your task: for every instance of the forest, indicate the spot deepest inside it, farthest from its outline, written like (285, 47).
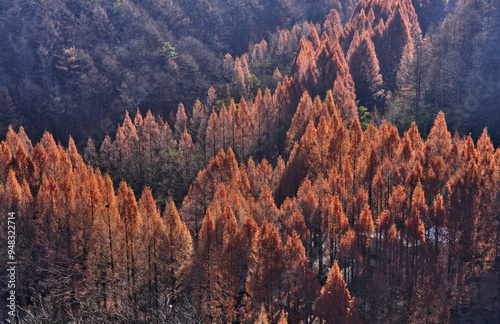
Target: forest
(281, 161)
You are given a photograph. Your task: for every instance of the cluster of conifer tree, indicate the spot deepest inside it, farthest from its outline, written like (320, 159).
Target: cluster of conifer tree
(277, 205)
(354, 226)
(402, 63)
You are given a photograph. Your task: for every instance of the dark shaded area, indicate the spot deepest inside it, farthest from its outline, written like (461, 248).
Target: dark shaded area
(74, 66)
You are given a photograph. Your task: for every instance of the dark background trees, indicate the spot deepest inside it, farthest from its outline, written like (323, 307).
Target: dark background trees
(84, 63)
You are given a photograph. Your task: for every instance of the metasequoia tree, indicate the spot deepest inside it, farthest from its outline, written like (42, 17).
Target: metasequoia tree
(266, 208)
(365, 71)
(260, 118)
(106, 250)
(265, 268)
(336, 225)
(213, 139)
(130, 222)
(244, 145)
(180, 124)
(300, 286)
(175, 251)
(229, 263)
(334, 303)
(186, 149)
(153, 236)
(364, 229)
(300, 121)
(206, 268)
(151, 137)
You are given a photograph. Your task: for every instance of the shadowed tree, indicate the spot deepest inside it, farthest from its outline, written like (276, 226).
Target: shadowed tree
(265, 269)
(299, 122)
(365, 71)
(180, 124)
(300, 286)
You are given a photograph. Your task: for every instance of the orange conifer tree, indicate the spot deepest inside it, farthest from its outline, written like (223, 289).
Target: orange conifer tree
(130, 223)
(265, 269)
(300, 286)
(176, 250)
(334, 303)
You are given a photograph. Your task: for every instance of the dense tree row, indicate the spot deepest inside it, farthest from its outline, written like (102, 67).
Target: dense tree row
(406, 73)
(81, 244)
(420, 203)
(355, 225)
(166, 157)
(366, 53)
(400, 215)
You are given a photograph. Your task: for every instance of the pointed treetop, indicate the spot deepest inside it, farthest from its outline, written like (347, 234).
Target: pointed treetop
(206, 237)
(13, 191)
(439, 214)
(337, 217)
(296, 224)
(75, 157)
(13, 140)
(384, 221)
(25, 141)
(355, 132)
(48, 143)
(334, 303)
(364, 225)
(211, 97)
(333, 24)
(249, 228)
(147, 201)
(138, 120)
(128, 209)
(266, 208)
(415, 138)
(128, 126)
(414, 227)
(484, 144)
(313, 38)
(294, 249)
(180, 123)
(439, 137)
(186, 143)
(228, 224)
(418, 200)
